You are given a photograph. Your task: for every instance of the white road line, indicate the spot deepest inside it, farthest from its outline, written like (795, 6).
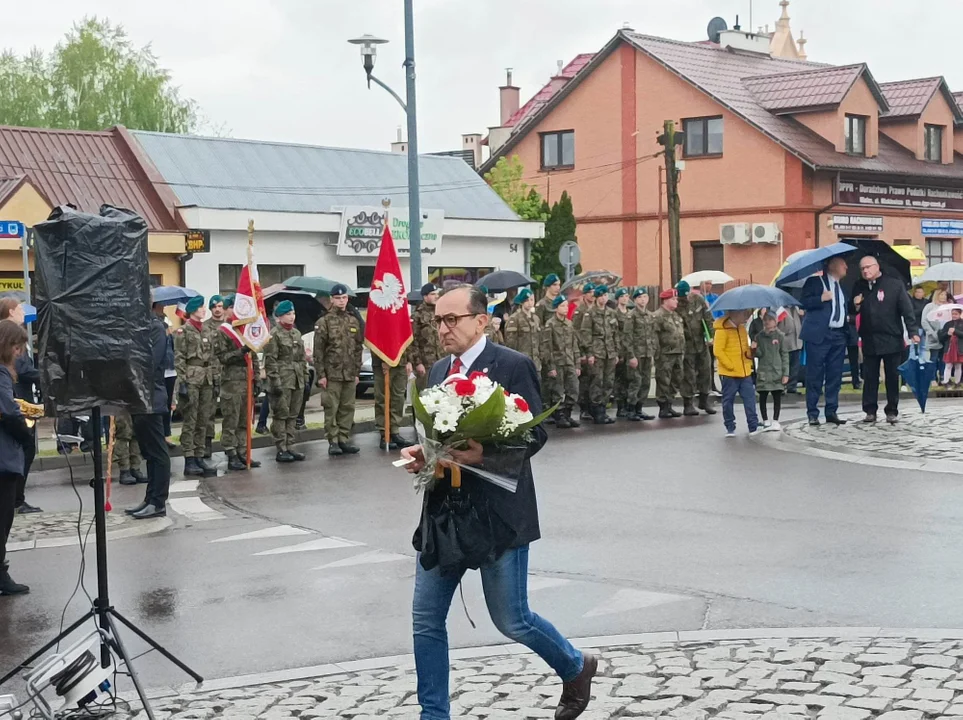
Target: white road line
(628, 599)
(540, 582)
(369, 558)
(328, 543)
(184, 486)
(193, 508)
(269, 532)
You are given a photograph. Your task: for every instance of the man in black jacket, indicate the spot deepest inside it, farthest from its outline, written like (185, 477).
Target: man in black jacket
(149, 430)
(461, 315)
(884, 309)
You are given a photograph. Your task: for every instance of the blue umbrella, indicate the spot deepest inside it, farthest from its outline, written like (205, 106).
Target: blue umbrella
(171, 294)
(749, 297)
(919, 374)
(796, 272)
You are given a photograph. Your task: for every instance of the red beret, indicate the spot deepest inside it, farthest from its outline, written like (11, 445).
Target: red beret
(666, 294)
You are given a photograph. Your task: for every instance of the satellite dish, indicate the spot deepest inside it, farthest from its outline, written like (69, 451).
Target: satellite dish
(716, 26)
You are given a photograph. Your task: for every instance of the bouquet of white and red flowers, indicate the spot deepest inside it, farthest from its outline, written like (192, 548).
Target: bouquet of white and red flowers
(473, 407)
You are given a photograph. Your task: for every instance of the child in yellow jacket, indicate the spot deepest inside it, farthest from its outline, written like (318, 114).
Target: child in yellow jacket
(733, 353)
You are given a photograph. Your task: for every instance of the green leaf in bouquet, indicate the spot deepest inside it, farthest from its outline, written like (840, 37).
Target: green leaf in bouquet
(421, 412)
(483, 421)
(534, 422)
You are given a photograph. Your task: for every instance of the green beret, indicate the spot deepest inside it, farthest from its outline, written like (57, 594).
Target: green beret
(194, 304)
(550, 279)
(601, 290)
(523, 295)
(215, 299)
(639, 292)
(621, 291)
(587, 288)
(228, 301)
(558, 301)
(682, 287)
(283, 308)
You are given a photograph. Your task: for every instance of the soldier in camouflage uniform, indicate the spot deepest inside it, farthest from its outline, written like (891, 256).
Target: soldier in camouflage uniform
(398, 387)
(286, 369)
(621, 386)
(523, 331)
(668, 348)
(697, 365)
(126, 450)
(493, 330)
(545, 307)
(192, 361)
(560, 353)
(599, 330)
(638, 353)
(425, 349)
(337, 359)
(232, 354)
(583, 305)
(211, 327)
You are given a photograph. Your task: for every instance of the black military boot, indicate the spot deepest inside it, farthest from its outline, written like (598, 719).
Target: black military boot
(688, 409)
(234, 462)
(561, 420)
(642, 415)
(400, 441)
(191, 467)
(348, 449)
(298, 456)
(620, 411)
(675, 413)
(126, 478)
(284, 456)
(208, 448)
(602, 417)
(208, 469)
(138, 475)
(8, 586)
(665, 411)
(572, 421)
(705, 404)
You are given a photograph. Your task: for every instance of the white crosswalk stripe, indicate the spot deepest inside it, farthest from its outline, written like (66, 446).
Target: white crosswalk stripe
(268, 532)
(327, 543)
(374, 557)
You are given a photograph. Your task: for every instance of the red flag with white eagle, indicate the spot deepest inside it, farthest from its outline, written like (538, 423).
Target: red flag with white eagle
(388, 326)
(249, 309)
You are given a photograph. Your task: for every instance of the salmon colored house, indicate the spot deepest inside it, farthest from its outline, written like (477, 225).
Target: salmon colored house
(779, 155)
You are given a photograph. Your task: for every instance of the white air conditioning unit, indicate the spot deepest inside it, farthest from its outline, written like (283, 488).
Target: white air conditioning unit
(766, 233)
(734, 233)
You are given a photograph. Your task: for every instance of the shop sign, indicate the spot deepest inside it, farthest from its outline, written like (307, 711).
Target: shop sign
(940, 227)
(363, 227)
(852, 192)
(197, 241)
(858, 223)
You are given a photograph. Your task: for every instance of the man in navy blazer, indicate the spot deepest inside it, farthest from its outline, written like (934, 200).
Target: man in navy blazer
(462, 317)
(824, 332)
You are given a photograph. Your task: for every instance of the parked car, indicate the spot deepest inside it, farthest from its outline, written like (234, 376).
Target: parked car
(366, 375)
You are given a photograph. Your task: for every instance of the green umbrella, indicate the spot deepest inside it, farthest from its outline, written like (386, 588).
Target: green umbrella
(315, 284)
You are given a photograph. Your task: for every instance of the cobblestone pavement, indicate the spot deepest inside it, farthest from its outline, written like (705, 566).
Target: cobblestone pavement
(50, 525)
(935, 435)
(779, 679)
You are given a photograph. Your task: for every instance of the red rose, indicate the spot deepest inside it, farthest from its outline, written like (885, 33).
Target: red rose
(475, 375)
(464, 388)
(521, 404)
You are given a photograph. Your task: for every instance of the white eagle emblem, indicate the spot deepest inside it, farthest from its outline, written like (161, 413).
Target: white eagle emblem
(388, 293)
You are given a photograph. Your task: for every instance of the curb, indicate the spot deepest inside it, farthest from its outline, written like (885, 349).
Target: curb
(682, 637)
(140, 527)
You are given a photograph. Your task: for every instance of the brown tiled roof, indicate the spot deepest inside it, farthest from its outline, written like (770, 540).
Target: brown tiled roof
(909, 97)
(539, 99)
(805, 89)
(85, 169)
(958, 96)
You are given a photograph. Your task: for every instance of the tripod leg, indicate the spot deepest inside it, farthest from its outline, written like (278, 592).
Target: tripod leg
(30, 660)
(122, 652)
(154, 644)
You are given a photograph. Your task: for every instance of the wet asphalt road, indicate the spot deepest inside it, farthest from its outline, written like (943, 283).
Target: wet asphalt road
(645, 529)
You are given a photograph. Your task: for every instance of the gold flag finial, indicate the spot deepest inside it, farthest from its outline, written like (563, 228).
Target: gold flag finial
(386, 203)
(250, 231)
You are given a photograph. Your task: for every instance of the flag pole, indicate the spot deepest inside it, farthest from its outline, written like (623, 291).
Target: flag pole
(250, 363)
(386, 203)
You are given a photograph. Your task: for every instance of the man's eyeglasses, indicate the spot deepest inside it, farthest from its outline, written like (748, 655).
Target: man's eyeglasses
(451, 319)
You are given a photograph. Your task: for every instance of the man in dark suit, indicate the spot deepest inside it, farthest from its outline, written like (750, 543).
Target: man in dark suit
(824, 332)
(461, 315)
(884, 311)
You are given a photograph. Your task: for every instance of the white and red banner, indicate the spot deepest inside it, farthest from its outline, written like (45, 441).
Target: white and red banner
(249, 309)
(388, 326)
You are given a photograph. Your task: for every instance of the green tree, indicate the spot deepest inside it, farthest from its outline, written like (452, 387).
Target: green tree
(506, 179)
(95, 78)
(559, 229)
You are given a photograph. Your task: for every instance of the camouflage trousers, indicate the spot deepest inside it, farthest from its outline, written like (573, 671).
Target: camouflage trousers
(194, 408)
(285, 406)
(209, 433)
(584, 383)
(621, 385)
(397, 389)
(668, 376)
(338, 401)
(601, 380)
(561, 389)
(234, 418)
(696, 373)
(126, 450)
(639, 381)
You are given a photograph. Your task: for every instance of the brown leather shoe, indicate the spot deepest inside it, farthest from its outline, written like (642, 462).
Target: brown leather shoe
(577, 693)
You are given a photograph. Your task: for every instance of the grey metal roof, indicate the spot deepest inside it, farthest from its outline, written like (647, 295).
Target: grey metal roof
(229, 174)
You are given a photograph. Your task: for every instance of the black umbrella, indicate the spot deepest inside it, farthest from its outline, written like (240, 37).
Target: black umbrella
(307, 308)
(596, 277)
(502, 280)
(890, 262)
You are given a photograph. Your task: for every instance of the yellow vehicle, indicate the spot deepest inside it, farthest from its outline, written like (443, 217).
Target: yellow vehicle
(916, 257)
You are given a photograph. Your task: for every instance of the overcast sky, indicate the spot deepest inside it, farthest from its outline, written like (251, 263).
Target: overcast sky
(282, 69)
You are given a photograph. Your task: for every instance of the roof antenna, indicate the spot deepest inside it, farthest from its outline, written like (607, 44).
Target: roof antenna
(736, 26)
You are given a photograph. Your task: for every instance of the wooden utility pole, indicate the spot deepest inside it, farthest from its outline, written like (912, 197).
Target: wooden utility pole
(669, 139)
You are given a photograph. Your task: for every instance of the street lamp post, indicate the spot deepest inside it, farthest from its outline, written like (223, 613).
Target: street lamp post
(369, 48)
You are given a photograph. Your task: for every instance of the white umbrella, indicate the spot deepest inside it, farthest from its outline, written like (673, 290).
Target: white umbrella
(942, 313)
(716, 277)
(944, 272)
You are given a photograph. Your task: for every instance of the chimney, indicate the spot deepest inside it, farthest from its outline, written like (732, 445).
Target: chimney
(509, 96)
(472, 141)
(399, 146)
(561, 66)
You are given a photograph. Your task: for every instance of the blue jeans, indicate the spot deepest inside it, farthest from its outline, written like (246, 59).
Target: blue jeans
(824, 364)
(746, 389)
(506, 593)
